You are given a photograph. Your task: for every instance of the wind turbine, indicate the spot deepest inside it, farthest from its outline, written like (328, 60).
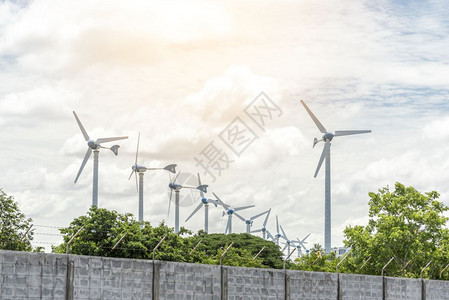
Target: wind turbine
(264, 228)
(204, 202)
(278, 234)
(174, 186)
(230, 211)
(288, 242)
(95, 146)
(141, 170)
(300, 244)
(249, 222)
(326, 154)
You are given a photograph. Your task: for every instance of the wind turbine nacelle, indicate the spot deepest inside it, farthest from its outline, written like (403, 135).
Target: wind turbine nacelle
(328, 136)
(174, 186)
(230, 211)
(204, 200)
(139, 169)
(248, 222)
(92, 145)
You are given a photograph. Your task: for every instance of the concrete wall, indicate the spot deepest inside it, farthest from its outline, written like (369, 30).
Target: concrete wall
(252, 283)
(361, 287)
(187, 281)
(312, 285)
(26, 275)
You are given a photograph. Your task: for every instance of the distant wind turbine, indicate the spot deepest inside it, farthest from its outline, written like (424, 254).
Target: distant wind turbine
(95, 146)
(141, 170)
(204, 202)
(249, 222)
(174, 186)
(230, 211)
(264, 226)
(326, 155)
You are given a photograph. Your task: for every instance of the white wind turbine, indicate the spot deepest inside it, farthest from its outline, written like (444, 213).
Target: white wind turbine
(288, 241)
(278, 234)
(326, 155)
(174, 186)
(230, 211)
(95, 146)
(204, 202)
(141, 170)
(264, 227)
(300, 244)
(249, 222)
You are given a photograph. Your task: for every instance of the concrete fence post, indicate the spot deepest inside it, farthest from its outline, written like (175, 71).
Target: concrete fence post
(224, 283)
(423, 289)
(339, 294)
(69, 279)
(155, 287)
(287, 286)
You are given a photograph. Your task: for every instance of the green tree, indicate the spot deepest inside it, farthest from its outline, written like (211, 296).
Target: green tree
(102, 229)
(13, 225)
(316, 260)
(245, 247)
(405, 225)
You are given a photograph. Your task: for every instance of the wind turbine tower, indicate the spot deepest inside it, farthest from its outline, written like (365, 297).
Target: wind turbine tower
(95, 146)
(326, 155)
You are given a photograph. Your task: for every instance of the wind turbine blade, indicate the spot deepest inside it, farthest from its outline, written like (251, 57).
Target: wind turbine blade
(256, 231)
(199, 183)
(137, 150)
(240, 217)
(266, 218)
(284, 248)
(269, 235)
(243, 207)
(169, 202)
(326, 150)
(284, 236)
(350, 132)
(317, 123)
(303, 240)
(129, 178)
(225, 206)
(176, 177)
(256, 216)
(86, 136)
(228, 225)
(111, 139)
(171, 168)
(277, 225)
(196, 209)
(86, 157)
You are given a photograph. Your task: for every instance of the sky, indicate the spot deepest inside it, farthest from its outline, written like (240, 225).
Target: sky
(187, 75)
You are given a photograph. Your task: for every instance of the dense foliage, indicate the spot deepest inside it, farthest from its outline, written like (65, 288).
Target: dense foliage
(102, 229)
(13, 225)
(405, 225)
